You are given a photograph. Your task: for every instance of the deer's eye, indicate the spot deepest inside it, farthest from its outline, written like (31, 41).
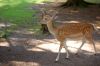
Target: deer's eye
(46, 19)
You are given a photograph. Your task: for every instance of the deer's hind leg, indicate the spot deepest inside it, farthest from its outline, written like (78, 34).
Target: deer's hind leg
(83, 42)
(89, 37)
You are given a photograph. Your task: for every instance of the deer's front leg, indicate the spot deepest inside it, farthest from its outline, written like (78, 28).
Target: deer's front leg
(57, 58)
(66, 49)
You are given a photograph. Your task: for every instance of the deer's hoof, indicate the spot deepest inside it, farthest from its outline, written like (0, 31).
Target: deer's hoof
(76, 53)
(55, 61)
(95, 54)
(68, 59)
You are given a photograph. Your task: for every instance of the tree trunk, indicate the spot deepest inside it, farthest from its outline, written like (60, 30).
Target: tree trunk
(74, 3)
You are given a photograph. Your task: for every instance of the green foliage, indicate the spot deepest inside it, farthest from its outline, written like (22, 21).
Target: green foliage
(4, 34)
(93, 1)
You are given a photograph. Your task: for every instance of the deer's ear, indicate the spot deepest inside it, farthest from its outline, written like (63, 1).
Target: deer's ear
(43, 11)
(54, 14)
(55, 17)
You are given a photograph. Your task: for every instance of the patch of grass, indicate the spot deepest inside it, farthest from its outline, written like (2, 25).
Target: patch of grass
(19, 13)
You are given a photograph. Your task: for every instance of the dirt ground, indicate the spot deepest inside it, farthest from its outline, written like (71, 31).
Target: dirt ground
(25, 49)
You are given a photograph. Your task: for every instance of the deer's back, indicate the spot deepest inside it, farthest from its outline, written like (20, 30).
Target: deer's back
(73, 29)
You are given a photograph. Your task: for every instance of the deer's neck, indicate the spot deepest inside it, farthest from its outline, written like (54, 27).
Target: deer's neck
(51, 27)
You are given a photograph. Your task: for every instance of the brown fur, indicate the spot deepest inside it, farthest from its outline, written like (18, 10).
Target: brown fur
(67, 30)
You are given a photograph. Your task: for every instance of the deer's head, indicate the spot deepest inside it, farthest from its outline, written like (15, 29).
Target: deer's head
(48, 16)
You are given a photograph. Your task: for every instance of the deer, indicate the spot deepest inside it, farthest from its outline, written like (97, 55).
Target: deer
(62, 32)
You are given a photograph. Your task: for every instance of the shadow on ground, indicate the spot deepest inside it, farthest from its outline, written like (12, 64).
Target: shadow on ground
(18, 54)
(45, 58)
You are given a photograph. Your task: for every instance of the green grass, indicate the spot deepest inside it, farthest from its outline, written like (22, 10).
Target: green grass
(19, 13)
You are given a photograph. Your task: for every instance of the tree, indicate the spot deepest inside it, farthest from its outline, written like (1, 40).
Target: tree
(75, 3)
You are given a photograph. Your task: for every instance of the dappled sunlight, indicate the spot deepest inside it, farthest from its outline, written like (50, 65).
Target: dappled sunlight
(72, 46)
(36, 1)
(5, 25)
(16, 39)
(38, 52)
(5, 44)
(9, 3)
(74, 22)
(21, 63)
(98, 27)
(51, 47)
(2, 4)
(24, 32)
(68, 21)
(98, 46)
(13, 3)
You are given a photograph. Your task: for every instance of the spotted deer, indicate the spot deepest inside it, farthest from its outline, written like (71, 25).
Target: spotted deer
(62, 32)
